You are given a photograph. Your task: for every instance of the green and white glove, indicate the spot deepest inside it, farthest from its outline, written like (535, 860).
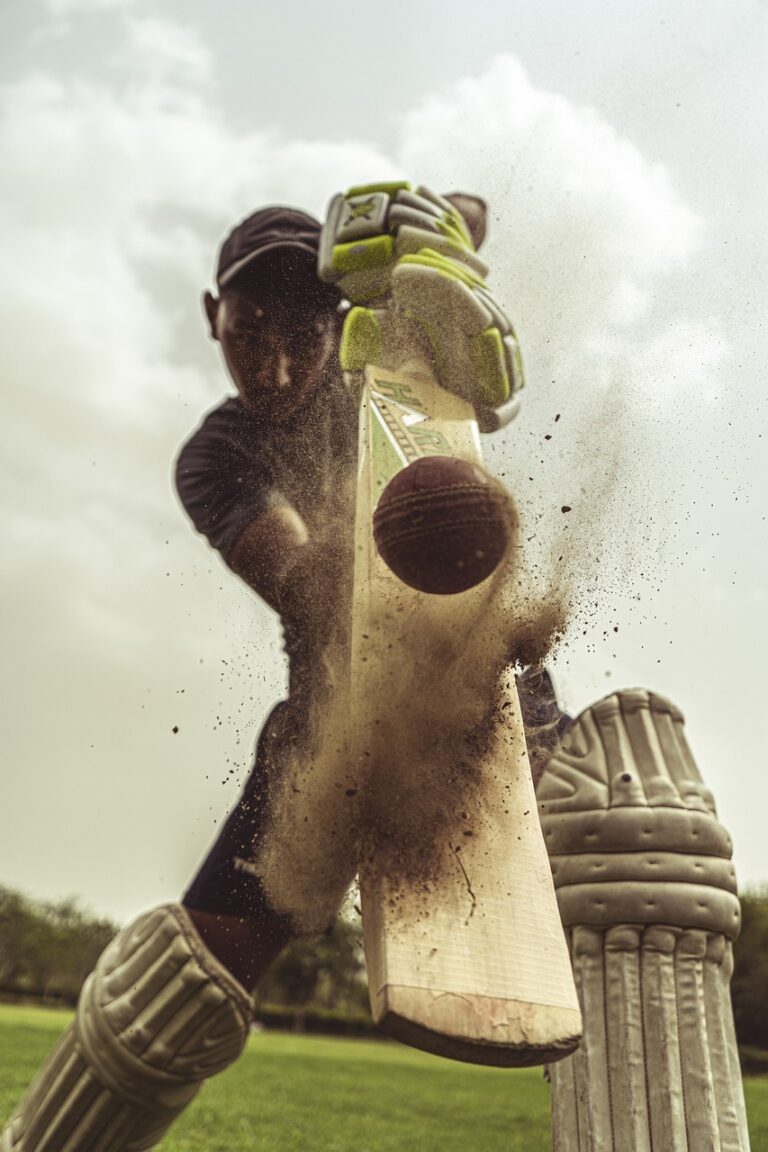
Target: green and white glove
(370, 227)
(403, 254)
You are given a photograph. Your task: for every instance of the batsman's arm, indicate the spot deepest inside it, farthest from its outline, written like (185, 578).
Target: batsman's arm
(268, 549)
(232, 501)
(292, 571)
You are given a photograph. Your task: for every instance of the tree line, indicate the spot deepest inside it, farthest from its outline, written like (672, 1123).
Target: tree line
(749, 985)
(48, 948)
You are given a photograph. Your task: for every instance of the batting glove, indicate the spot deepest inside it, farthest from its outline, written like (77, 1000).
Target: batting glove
(408, 254)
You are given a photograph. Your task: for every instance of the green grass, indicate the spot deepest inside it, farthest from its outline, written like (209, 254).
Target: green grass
(293, 1093)
(756, 1095)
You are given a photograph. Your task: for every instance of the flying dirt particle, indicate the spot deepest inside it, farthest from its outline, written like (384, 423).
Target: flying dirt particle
(175, 729)
(565, 508)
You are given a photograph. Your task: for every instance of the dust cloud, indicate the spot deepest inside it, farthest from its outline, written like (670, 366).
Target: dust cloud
(393, 759)
(391, 764)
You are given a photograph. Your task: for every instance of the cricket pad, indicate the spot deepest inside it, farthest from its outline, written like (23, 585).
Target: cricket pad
(647, 893)
(157, 1016)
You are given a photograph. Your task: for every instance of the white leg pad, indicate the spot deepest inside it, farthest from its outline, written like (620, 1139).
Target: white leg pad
(157, 1016)
(647, 894)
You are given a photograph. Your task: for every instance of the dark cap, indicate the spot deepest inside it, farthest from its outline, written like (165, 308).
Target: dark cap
(265, 231)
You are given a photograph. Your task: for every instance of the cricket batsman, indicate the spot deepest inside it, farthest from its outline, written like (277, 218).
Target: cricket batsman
(268, 470)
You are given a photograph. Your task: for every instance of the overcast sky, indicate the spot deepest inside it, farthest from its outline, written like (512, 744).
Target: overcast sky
(621, 148)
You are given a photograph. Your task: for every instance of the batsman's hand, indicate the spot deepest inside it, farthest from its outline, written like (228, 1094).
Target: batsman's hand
(369, 228)
(403, 254)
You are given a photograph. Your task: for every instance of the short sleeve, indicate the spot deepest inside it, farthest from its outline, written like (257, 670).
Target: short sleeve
(221, 478)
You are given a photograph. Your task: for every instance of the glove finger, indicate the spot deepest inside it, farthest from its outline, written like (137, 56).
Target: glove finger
(437, 200)
(446, 217)
(500, 318)
(411, 241)
(402, 214)
(451, 222)
(328, 239)
(406, 198)
(470, 352)
(514, 360)
(361, 340)
(361, 268)
(444, 303)
(452, 319)
(445, 265)
(389, 188)
(490, 363)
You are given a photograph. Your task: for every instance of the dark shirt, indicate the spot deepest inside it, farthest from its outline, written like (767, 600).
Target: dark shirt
(235, 467)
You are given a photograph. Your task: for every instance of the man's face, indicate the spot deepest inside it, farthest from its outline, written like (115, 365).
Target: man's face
(276, 344)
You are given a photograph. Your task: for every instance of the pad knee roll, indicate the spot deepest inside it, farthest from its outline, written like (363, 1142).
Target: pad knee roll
(157, 1016)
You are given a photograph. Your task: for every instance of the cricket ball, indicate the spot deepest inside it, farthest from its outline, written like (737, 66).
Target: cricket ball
(443, 525)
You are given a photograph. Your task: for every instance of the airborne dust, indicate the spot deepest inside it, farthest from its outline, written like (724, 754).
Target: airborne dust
(392, 756)
(427, 676)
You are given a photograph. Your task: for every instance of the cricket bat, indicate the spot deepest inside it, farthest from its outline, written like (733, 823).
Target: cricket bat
(464, 947)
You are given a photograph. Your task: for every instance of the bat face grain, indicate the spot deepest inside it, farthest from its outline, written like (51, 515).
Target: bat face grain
(465, 951)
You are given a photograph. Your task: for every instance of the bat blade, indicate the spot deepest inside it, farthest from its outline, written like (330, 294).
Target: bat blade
(464, 947)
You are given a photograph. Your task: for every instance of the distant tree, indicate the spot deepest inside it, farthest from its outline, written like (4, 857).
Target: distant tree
(75, 940)
(17, 927)
(325, 972)
(48, 947)
(749, 986)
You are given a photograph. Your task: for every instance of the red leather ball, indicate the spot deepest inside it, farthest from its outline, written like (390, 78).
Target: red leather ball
(442, 524)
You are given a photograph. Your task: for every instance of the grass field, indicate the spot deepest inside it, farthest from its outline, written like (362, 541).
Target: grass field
(293, 1093)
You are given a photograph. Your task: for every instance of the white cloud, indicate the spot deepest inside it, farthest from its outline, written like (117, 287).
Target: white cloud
(166, 50)
(73, 7)
(582, 225)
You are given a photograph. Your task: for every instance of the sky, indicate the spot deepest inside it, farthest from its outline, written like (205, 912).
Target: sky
(621, 150)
